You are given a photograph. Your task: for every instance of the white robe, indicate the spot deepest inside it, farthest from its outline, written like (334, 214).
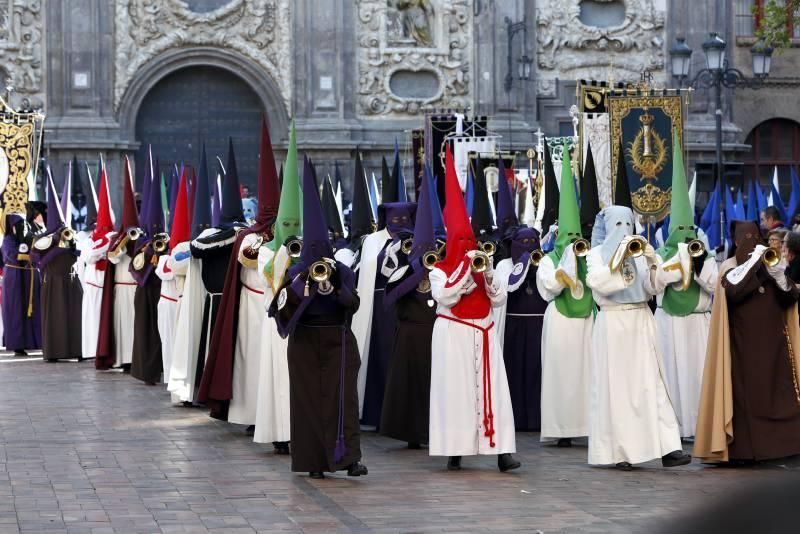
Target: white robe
(457, 395)
(247, 352)
(272, 413)
(683, 342)
(188, 330)
(92, 280)
(172, 274)
(124, 313)
(566, 363)
(362, 319)
(631, 418)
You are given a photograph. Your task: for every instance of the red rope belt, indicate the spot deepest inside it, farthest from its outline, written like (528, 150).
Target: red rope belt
(488, 414)
(253, 290)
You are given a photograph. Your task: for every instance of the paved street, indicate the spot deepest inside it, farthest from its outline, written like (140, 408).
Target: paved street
(82, 451)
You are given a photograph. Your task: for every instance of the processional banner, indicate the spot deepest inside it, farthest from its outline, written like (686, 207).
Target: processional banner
(641, 138)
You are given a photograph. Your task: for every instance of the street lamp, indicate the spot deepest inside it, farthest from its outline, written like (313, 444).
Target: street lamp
(525, 62)
(717, 75)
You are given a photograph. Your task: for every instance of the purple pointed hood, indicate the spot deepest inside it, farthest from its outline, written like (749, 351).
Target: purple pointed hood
(66, 195)
(316, 243)
(54, 220)
(397, 217)
(153, 221)
(231, 213)
(506, 214)
(424, 239)
(201, 212)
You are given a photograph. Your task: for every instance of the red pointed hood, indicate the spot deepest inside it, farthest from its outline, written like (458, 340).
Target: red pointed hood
(460, 240)
(104, 222)
(130, 216)
(460, 237)
(269, 191)
(181, 223)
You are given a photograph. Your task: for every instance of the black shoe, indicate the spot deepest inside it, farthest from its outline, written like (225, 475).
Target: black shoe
(454, 463)
(506, 462)
(676, 458)
(564, 442)
(356, 469)
(624, 466)
(187, 404)
(20, 353)
(281, 447)
(250, 430)
(316, 474)
(150, 383)
(413, 445)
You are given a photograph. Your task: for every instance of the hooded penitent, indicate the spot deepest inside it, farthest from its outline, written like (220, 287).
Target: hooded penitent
(460, 240)
(216, 388)
(152, 223)
(681, 230)
(201, 214)
(611, 226)
(289, 217)
(590, 199)
(569, 230)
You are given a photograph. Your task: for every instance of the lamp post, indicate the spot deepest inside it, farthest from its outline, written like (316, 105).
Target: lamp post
(717, 75)
(524, 62)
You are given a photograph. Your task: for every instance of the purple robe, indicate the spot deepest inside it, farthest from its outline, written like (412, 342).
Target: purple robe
(21, 285)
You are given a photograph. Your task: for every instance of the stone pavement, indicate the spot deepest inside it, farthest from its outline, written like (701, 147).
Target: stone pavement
(98, 452)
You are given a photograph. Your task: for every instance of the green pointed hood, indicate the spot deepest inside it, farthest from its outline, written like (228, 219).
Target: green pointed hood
(288, 223)
(569, 229)
(681, 230)
(569, 218)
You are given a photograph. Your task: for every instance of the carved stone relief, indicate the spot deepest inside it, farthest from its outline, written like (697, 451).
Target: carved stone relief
(571, 49)
(404, 37)
(147, 28)
(21, 50)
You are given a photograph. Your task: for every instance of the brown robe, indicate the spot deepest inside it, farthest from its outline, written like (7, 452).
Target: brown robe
(748, 382)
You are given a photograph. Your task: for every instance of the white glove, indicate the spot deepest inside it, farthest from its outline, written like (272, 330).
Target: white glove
(650, 256)
(778, 274)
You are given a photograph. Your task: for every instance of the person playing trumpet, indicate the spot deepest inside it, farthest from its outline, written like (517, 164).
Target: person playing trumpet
(631, 418)
(750, 398)
(567, 327)
(405, 411)
(471, 410)
(312, 309)
(685, 283)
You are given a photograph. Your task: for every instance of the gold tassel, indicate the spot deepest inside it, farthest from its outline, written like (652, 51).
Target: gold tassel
(306, 291)
(792, 363)
(30, 294)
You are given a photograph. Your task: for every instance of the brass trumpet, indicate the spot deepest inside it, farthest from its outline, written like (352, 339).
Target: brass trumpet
(479, 262)
(295, 247)
(429, 260)
(406, 246)
(160, 242)
(67, 234)
(487, 247)
(771, 257)
(636, 246)
(581, 247)
(696, 248)
(536, 257)
(134, 233)
(320, 271)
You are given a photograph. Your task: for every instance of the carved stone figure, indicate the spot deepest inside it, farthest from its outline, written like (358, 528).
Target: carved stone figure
(416, 17)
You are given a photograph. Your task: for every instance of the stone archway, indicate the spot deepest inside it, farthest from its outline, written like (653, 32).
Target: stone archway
(176, 63)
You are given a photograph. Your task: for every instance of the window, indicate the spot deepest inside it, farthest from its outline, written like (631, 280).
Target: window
(748, 15)
(775, 143)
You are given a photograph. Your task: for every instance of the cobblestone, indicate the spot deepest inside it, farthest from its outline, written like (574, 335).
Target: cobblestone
(99, 453)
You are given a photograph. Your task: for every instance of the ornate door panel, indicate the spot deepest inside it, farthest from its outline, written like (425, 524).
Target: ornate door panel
(196, 105)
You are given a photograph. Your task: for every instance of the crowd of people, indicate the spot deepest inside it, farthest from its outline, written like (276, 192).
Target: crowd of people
(450, 328)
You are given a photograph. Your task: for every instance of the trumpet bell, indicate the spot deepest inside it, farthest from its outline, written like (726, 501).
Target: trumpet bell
(581, 247)
(487, 247)
(429, 260)
(696, 248)
(636, 246)
(295, 248)
(480, 262)
(771, 257)
(320, 271)
(536, 257)
(134, 233)
(67, 234)
(406, 246)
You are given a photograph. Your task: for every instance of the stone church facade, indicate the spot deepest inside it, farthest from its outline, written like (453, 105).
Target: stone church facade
(113, 75)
